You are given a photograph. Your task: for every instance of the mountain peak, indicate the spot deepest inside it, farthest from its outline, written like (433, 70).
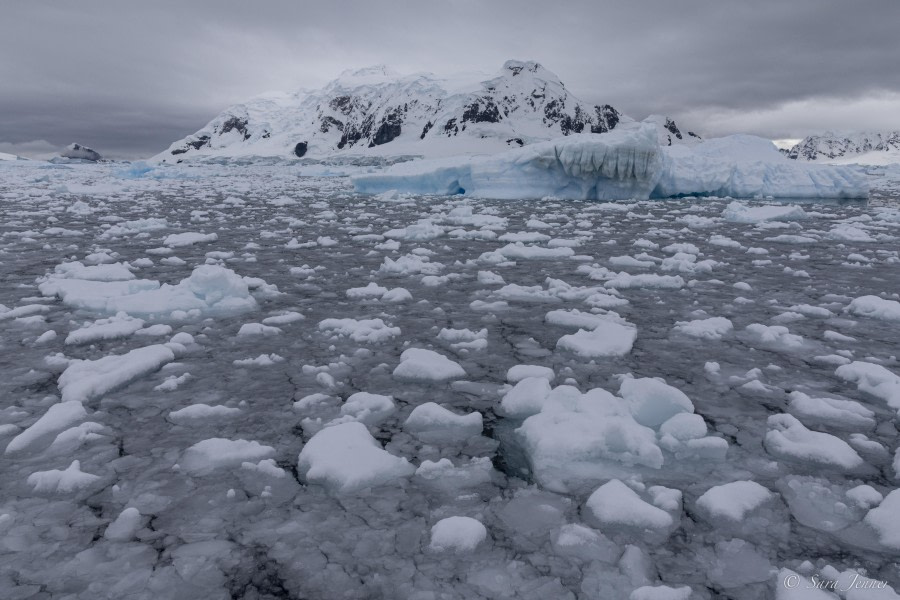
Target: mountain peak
(377, 111)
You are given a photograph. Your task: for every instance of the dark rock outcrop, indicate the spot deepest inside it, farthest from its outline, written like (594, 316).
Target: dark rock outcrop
(79, 152)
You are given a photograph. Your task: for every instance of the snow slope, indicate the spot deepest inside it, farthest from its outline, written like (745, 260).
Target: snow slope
(378, 112)
(865, 148)
(628, 162)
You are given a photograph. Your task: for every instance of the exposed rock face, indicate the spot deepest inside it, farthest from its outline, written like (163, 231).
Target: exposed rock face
(300, 149)
(376, 111)
(830, 145)
(79, 152)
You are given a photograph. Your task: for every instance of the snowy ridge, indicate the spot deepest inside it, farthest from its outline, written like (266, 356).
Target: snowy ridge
(626, 163)
(834, 146)
(378, 112)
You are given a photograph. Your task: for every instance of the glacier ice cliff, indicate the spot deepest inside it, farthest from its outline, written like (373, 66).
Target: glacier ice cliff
(628, 162)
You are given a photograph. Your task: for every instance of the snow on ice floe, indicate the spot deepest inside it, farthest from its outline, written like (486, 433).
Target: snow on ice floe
(85, 380)
(732, 501)
(875, 308)
(873, 379)
(616, 508)
(417, 364)
(63, 481)
(789, 439)
(346, 458)
(627, 162)
(577, 438)
(712, 328)
(369, 331)
(459, 534)
(218, 453)
(432, 421)
(209, 290)
(58, 417)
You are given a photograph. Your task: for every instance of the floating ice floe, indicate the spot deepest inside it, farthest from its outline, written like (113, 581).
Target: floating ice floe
(210, 290)
(368, 331)
(873, 379)
(627, 162)
(576, 438)
(460, 534)
(85, 380)
(62, 481)
(57, 418)
(713, 328)
(346, 458)
(417, 364)
(432, 422)
(875, 308)
(616, 508)
(217, 453)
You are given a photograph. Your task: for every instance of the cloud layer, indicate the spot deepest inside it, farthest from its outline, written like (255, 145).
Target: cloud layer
(129, 78)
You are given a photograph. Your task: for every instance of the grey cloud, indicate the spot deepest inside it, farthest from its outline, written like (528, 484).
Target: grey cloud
(128, 78)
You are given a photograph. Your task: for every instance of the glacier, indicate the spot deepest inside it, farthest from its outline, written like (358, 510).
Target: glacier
(628, 162)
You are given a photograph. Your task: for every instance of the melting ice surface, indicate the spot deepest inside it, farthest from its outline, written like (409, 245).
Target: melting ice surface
(234, 382)
(627, 162)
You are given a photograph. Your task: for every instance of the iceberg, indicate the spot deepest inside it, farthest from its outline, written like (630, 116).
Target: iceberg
(627, 162)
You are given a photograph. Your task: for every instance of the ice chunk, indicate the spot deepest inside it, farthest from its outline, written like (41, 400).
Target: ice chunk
(607, 338)
(367, 408)
(210, 290)
(459, 534)
(526, 398)
(712, 328)
(775, 336)
(431, 420)
(843, 414)
(216, 453)
(585, 438)
(519, 372)
(85, 380)
(732, 501)
(346, 458)
(421, 365)
(178, 240)
(616, 507)
(740, 212)
(875, 307)
(883, 519)
(57, 418)
(873, 379)
(584, 543)
(112, 328)
(125, 526)
(652, 401)
(250, 329)
(661, 592)
(69, 480)
(201, 412)
(788, 439)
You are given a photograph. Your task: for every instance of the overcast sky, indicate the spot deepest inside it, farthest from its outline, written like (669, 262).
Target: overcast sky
(128, 78)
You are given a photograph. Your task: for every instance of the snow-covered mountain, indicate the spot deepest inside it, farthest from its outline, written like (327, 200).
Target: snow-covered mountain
(832, 146)
(376, 111)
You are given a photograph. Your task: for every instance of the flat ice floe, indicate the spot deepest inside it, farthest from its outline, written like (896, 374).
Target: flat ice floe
(209, 290)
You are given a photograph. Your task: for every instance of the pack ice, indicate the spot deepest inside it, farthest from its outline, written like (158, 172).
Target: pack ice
(627, 162)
